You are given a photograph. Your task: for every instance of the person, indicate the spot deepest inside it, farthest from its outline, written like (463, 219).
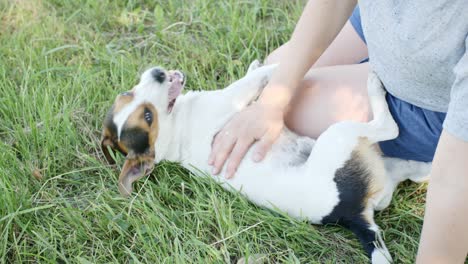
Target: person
(419, 50)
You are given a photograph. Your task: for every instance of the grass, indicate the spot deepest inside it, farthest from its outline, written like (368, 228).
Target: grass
(62, 63)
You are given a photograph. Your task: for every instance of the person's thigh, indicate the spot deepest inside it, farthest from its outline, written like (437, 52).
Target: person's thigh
(328, 95)
(347, 48)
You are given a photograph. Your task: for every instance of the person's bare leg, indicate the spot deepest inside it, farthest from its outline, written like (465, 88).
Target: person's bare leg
(347, 48)
(330, 94)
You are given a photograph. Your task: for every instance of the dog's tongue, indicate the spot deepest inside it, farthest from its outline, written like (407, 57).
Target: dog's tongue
(177, 84)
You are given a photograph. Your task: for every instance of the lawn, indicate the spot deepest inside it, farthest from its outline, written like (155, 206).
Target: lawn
(61, 65)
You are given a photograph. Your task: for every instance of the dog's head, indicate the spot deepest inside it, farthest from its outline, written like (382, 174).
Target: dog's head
(132, 124)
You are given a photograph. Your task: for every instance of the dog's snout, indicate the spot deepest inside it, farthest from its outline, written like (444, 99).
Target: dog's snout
(158, 75)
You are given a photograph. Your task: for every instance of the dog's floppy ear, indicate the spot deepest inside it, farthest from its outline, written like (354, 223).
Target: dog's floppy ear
(107, 142)
(133, 170)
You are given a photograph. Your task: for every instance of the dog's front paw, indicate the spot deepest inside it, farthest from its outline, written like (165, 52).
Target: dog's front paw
(254, 65)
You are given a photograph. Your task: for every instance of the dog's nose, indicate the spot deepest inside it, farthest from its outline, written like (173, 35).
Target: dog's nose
(158, 75)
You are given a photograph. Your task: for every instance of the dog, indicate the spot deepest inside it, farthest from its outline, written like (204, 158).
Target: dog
(340, 178)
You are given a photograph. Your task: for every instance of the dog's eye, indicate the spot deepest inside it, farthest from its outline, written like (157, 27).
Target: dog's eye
(126, 94)
(148, 116)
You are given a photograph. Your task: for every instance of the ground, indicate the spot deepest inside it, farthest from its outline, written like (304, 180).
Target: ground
(61, 65)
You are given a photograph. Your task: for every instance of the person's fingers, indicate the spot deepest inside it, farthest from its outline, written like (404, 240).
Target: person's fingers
(222, 152)
(219, 139)
(264, 144)
(237, 154)
(214, 148)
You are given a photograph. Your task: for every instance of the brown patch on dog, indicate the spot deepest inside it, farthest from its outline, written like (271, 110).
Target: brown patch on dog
(109, 135)
(121, 101)
(368, 213)
(370, 156)
(107, 142)
(136, 119)
(109, 139)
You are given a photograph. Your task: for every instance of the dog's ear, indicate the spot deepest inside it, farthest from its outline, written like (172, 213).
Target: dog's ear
(133, 170)
(105, 143)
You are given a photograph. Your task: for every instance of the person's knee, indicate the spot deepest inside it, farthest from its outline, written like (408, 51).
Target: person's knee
(326, 96)
(307, 113)
(277, 55)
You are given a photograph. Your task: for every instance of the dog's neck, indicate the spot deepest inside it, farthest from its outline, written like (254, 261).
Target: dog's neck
(173, 136)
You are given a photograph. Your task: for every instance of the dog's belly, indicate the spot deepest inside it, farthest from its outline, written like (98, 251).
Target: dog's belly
(282, 180)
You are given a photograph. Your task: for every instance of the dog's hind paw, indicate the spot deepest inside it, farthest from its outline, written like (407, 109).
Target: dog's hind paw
(375, 86)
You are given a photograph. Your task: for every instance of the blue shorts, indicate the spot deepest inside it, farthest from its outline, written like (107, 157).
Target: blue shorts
(355, 20)
(420, 128)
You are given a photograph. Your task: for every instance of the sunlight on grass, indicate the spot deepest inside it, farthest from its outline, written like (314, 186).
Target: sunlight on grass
(63, 62)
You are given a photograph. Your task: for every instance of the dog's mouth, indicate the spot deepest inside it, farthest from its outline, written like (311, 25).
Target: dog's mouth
(177, 82)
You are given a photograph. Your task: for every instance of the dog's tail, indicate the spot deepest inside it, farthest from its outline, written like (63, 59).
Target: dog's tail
(370, 238)
(368, 234)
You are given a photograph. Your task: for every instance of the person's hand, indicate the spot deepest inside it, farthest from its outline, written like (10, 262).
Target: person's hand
(257, 122)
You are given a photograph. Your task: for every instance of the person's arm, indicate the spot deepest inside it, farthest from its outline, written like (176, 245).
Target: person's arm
(319, 24)
(445, 232)
(317, 27)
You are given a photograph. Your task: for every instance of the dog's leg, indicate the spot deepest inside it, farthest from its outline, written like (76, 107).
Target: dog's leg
(379, 254)
(339, 153)
(337, 157)
(347, 133)
(242, 92)
(400, 170)
(370, 237)
(382, 127)
(254, 65)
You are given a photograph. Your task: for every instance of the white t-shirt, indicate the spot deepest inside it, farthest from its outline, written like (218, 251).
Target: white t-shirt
(419, 50)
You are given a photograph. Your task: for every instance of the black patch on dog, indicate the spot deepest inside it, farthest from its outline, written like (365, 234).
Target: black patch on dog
(352, 181)
(135, 139)
(158, 75)
(109, 123)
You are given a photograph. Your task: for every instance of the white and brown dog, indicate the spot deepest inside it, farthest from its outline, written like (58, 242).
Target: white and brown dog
(339, 178)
